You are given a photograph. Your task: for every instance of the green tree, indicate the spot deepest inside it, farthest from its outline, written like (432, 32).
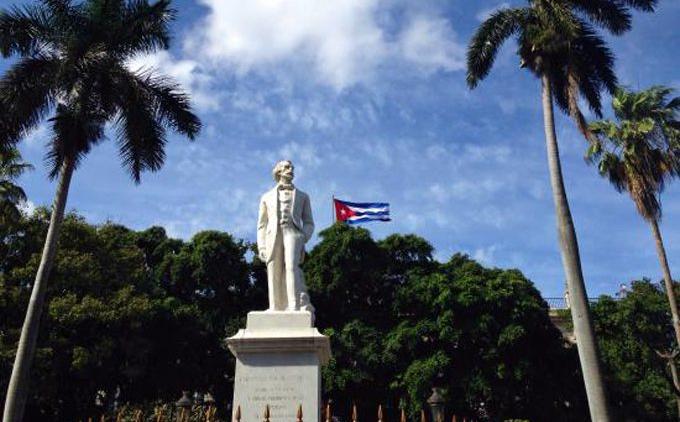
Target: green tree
(211, 271)
(11, 195)
(72, 66)
(632, 332)
(115, 323)
(401, 322)
(475, 332)
(344, 274)
(558, 43)
(639, 154)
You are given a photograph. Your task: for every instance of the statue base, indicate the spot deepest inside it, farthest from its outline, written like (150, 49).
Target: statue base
(278, 363)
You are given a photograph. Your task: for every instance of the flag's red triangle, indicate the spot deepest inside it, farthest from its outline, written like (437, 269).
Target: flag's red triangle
(342, 211)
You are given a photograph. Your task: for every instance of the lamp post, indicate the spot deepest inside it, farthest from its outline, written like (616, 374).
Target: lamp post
(184, 406)
(436, 402)
(208, 399)
(209, 407)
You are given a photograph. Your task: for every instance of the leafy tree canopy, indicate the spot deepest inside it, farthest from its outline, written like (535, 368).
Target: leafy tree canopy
(140, 312)
(135, 311)
(403, 323)
(632, 332)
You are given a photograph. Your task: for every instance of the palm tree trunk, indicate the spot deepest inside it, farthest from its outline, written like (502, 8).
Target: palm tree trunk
(17, 390)
(670, 292)
(571, 261)
(668, 280)
(676, 382)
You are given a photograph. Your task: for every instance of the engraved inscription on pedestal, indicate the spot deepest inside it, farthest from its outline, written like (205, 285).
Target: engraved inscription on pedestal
(295, 381)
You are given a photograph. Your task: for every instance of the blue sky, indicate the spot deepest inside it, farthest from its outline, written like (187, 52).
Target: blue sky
(368, 99)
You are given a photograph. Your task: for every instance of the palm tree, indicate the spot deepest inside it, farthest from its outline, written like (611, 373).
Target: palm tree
(638, 155)
(11, 195)
(558, 43)
(71, 68)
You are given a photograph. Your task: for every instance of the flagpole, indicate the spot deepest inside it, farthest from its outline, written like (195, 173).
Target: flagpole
(333, 216)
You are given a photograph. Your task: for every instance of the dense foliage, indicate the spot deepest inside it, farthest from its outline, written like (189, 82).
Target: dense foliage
(70, 68)
(11, 194)
(633, 332)
(403, 323)
(136, 316)
(131, 311)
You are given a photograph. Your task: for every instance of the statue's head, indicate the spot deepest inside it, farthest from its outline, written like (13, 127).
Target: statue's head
(284, 169)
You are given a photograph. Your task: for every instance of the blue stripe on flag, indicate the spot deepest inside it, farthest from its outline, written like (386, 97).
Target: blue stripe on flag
(365, 219)
(364, 204)
(372, 213)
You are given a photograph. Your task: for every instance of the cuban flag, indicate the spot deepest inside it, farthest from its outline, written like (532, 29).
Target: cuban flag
(361, 212)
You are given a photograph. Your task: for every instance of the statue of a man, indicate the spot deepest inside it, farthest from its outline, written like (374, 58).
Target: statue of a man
(284, 225)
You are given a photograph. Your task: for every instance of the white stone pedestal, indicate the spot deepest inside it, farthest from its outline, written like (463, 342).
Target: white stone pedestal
(278, 363)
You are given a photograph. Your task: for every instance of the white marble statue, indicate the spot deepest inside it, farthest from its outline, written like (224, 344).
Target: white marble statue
(284, 225)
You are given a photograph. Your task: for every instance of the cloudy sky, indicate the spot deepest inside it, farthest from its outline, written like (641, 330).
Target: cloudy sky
(368, 98)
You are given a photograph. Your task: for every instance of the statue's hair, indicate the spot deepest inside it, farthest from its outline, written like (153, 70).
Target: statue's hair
(277, 169)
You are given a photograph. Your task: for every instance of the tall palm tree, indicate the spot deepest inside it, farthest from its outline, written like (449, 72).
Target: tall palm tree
(71, 68)
(638, 155)
(11, 195)
(558, 43)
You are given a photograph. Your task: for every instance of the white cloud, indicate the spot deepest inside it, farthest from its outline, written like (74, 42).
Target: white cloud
(340, 40)
(303, 155)
(191, 76)
(38, 136)
(469, 190)
(493, 216)
(336, 43)
(27, 207)
(484, 14)
(485, 255)
(485, 153)
(431, 44)
(379, 151)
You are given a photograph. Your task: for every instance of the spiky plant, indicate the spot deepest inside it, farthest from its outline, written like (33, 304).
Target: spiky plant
(71, 69)
(639, 153)
(11, 194)
(559, 43)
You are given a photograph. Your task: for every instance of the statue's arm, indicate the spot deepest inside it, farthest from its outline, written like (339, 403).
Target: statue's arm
(262, 230)
(307, 220)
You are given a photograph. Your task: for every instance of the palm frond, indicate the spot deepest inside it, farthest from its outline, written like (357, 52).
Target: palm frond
(574, 85)
(64, 17)
(82, 66)
(674, 104)
(11, 165)
(144, 27)
(593, 64)
(24, 29)
(9, 192)
(612, 15)
(642, 5)
(641, 153)
(11, 195)
(140, 134)
(488, 39)
(560, 86)
(75, 131)
(27, 92)
(610, 166)
(558, 23)
(171, 106)
(9, 201)
(607, 130)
